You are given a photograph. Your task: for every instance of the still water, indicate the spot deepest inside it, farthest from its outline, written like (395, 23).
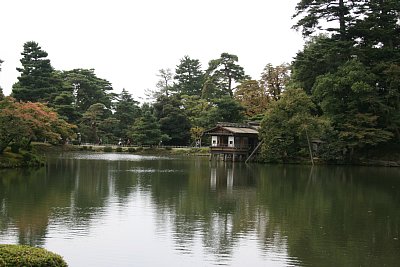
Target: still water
(129, 210)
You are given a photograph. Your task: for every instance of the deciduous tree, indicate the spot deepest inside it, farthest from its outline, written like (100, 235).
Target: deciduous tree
(252, 97)
(30, 121)
(275, 79)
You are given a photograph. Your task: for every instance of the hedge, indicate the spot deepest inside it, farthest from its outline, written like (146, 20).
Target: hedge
(18, 256)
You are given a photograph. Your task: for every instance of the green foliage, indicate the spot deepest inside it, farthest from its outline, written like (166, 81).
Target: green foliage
(189, 77)
(146, 130)
(221, 75)
(15, 148)
(320, 55)
(173, 120)
(92, 120)
(352, 73)
(118, 149)
(18, 256)
(88, 89)
(227, 110)
(126, 111)
(286, 125)
(313, 12)
(349, 99)
(37, 80)
(107, 149)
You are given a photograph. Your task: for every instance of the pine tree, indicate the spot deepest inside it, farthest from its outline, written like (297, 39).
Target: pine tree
(189, 77)
(36, 82)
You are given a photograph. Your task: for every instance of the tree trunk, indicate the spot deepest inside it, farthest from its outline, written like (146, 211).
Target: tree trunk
(342, 20)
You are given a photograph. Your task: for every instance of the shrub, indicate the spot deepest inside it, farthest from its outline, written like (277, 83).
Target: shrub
(107, 149)
(131, 149)
(16, 255)
(118, 149)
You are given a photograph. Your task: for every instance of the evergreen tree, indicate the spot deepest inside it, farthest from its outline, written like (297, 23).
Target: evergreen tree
(224, 72)
(126, 111)
(320, 55)
(227, 110)
(88, 89)
(91, 122)
(146, 130)
(189, 77)
(173, 120)
(351, 102)
(315, 13)
(36, 81)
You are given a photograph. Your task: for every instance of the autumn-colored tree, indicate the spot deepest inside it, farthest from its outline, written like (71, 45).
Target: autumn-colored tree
(274, 79)
(253, 97)
(30, 121)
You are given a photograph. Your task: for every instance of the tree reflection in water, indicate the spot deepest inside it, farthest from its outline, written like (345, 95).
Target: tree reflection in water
(320, 216)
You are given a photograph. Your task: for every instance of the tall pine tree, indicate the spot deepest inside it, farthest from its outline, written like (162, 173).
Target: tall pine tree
(36, 82)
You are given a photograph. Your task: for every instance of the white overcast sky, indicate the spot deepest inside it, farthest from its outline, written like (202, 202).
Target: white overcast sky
(128, 41)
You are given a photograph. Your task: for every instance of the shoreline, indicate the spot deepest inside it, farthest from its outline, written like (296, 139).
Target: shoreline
(36, 157)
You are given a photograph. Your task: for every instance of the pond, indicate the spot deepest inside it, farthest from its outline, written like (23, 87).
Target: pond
(99, 209)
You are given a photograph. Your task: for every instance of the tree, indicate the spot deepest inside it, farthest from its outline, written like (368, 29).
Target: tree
(146, 130)
(92, 120)
(126, 111)
(252, 97)
(350, 100)
(314, 12)
(36, 81)
(27, 121)
(189, 77)
(88, 89)
(198, 111)
(164, 85)
(287, 125)
(226, 109)
(275, 79)
(172, 119)
(320, 55)
(224, 72)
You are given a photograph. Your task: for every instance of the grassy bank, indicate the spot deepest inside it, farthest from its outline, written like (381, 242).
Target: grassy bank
(21, 159)
(34, 157)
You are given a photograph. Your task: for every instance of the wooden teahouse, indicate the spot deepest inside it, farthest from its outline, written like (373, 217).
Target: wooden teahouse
(233, 141)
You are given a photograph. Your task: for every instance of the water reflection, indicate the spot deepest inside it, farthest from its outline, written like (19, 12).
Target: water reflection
(209, 213)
